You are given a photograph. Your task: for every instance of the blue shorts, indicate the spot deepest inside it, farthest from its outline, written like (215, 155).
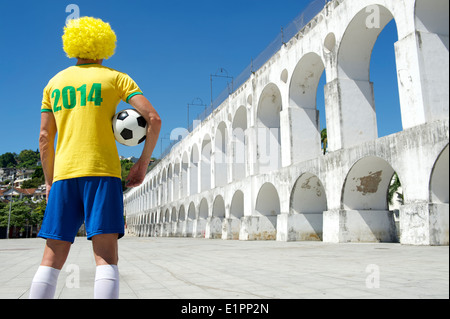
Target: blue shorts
(98, 201)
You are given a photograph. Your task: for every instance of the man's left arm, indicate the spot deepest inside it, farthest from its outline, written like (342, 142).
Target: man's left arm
(47, 147)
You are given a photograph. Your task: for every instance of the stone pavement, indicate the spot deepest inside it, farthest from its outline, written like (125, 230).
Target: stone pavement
(190, 268)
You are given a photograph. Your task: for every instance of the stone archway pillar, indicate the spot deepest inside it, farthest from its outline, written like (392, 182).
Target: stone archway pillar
(422, 72)
(350, 112)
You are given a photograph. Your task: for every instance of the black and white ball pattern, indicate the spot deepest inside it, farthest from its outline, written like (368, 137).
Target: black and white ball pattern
(129, 127)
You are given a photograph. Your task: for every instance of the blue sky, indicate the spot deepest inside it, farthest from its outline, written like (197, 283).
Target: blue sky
(169, 48)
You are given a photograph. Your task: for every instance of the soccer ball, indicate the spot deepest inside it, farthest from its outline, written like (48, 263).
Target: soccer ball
(129, 127)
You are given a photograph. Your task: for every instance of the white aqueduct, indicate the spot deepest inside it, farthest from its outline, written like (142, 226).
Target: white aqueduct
(254, 168)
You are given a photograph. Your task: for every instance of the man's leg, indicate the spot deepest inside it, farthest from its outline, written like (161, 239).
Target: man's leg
(44, 282)
(107, 274)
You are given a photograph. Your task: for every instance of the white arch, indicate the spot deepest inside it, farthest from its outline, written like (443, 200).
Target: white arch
(353, 91)
(237, 205)
(439, 181)
(267, 209)
(205, 163)
(366, 184)
(184, 174)
(220, 155)
(218, 207)
(193, 170)
(308, 202)
(268, 201)
(239, 143)
(364, 199)
(268, 129)
(305, 116)
(182, 214)
(176, 180)
(203, 209)
(188, 231)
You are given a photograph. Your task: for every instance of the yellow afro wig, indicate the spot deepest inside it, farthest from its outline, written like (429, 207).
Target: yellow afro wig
(89, 38)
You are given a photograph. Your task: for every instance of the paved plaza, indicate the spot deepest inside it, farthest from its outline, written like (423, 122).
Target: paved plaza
(192, 268)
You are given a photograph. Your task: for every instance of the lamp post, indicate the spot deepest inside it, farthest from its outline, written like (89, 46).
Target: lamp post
(217, 75)
(10, 203)
(200, 103)
(161, 141)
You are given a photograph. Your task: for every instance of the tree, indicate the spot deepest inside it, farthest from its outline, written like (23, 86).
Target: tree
(393, 188)
(126, 166)
(37, 214)
(32, 183)
(28, 159)
(8, 160)
(20, 212)
(23, 213)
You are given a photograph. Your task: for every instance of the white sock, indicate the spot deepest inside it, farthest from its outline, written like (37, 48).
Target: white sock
(106, 282)
(43, 285)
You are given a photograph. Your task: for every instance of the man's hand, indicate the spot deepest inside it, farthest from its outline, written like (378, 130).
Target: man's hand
(47, 190)
(137, 174)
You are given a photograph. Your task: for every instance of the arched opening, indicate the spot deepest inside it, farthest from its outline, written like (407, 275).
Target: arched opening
(176, 180)
(268, 129)
(164, 187)
(181, 221)
(267, 209)
(205, 165)
(174, 217)
(239, 127)
(159, 217)
(365, 201)
(167, 229)
(188, 232)
(152, 218)
(170, 183)
(184, 175)
(154, 193)
(236, 213)
(173, 222)
(439, 190)
(303, 103)
(439, 200)
(308, 202)
(383, 74)
(356, 89)
(200, 228)
(220, 155)
(159, 223)
(203, 209)
(193, 170)
(167, 216)
(218, 215)
(237, 205)
(182, 214)
(218, 207)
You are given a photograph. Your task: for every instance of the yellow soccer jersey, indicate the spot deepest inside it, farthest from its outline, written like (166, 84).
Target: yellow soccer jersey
(84, 99)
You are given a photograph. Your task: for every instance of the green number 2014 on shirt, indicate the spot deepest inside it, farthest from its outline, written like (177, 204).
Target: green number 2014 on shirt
(69, 96)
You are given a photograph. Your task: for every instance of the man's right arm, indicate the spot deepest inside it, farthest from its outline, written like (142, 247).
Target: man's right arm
(47, 147)
(146, 109)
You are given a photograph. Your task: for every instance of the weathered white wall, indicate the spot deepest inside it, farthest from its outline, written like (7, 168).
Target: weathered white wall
(254, 168)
